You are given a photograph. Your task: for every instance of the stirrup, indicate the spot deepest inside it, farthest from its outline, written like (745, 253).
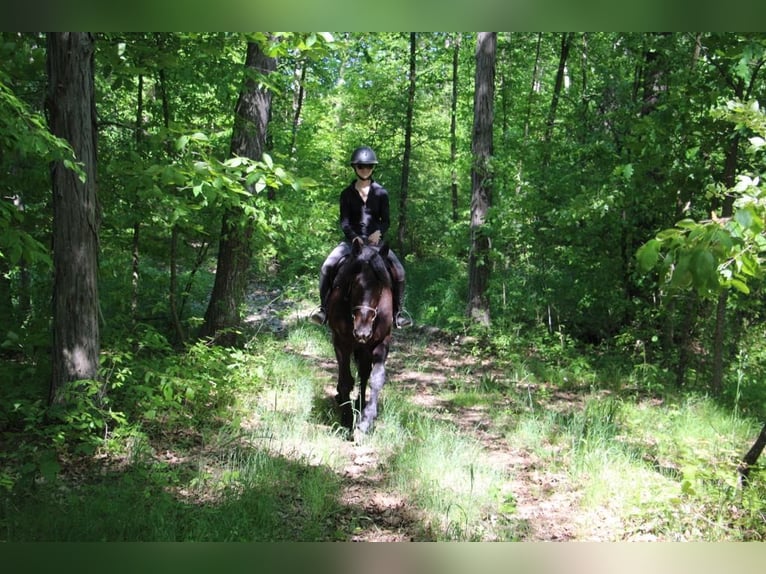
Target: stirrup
(319, 317)
(403, 319)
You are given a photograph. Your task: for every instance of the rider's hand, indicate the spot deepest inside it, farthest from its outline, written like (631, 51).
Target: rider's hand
(374, 239)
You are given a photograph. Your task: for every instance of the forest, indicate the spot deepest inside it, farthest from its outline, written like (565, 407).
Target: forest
(581, 220)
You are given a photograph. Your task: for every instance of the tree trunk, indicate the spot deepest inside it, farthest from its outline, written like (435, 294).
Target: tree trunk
(234, 251)
(534, 87)
(453, 125)
(752, 456)
(481, 177)
(401, 235)
(7, 315)
(136, 254)
(300, 81)
(729, 175)
(566, 41)
(175, 318)
(71, 104)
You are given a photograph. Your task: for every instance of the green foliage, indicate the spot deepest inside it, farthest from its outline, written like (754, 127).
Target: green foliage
(580, 298)
(720, 253)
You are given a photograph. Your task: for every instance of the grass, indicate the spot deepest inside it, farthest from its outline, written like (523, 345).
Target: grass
(261, 458)
(659, 471)
(441, 472)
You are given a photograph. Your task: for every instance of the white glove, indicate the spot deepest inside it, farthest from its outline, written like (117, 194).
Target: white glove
(374, 239)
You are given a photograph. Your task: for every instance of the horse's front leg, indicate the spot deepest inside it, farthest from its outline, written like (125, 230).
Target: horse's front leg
(370, 412)
(344, 388)
(364, 367)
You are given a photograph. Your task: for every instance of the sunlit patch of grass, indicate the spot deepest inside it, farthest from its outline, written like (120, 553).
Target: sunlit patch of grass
(666, 472)
(444, 474)
(309, 340)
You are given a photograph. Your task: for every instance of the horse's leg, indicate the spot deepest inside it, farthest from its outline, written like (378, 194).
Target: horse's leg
(377, 379)
(345, 386)
(364, 366)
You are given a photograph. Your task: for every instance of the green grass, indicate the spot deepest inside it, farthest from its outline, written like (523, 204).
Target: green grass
(663, 471)
(248, 449)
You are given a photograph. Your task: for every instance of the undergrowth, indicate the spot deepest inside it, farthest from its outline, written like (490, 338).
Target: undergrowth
(244, 445)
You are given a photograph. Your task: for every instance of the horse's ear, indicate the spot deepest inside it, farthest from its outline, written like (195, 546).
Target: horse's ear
(384, 249)
(357, 245)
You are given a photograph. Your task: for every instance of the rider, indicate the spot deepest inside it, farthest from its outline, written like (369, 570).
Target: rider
(364, 213)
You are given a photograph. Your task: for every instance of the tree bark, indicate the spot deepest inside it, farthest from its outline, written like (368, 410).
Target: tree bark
(299, 83)
(752, 456)
(534, 87)
(401, 234)
(719, 334)
(222, 317)
(135, 249)
(481, 178)
(453, 125)
(71, 106)
(566, 41)
(175, 318)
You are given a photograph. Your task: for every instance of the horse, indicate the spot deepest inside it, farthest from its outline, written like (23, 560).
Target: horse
(360, 316)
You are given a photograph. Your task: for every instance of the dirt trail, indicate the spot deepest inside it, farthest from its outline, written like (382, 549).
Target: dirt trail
(425, 362)
(546, 509)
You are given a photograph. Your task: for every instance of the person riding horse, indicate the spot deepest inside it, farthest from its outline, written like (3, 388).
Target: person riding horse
(364, 213)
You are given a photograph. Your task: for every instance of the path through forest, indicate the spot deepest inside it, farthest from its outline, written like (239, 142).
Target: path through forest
(423, 362)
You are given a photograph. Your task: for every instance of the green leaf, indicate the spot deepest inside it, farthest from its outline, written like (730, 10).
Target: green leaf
(687, 224)
(703, 269)
(181, 142)
(740, 286)
(648, 254)
(666, 234)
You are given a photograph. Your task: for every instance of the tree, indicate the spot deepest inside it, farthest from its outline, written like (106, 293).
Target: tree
(453, 124)
(481, 177)
(566, 41)
(401, 234)
(71, 104)
(725, 253)
(248, 140)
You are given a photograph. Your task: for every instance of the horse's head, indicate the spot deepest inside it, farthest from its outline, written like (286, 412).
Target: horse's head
(369, 290)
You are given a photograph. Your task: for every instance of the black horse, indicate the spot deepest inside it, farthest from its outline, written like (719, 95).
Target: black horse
(360, 315)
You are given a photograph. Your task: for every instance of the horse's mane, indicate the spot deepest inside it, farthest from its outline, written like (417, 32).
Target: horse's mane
(355, 263)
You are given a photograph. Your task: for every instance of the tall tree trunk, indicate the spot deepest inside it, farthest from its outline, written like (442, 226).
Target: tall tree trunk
(135, 253)
(534, 87)
(175, 319)
(72, 110)
(453, 125)
(300, 81)
(719, 334)
(401, 234)
(481, 177)
(566, 42)
(234, 251)
(7, 315)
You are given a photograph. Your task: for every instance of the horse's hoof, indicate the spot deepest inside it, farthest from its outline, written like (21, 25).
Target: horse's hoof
(363, 426)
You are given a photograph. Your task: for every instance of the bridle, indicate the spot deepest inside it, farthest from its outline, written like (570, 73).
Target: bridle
(364, 308)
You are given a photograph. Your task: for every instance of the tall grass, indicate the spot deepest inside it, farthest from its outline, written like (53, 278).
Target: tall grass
(250, 450)
(443, 473)
(658, 471)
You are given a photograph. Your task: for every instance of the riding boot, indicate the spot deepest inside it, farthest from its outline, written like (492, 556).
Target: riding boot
(319, 316)
(401, 318)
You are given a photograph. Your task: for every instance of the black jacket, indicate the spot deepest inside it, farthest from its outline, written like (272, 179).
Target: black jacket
(359, 219)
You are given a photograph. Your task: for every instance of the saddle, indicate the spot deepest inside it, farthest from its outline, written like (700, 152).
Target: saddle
(338, 273)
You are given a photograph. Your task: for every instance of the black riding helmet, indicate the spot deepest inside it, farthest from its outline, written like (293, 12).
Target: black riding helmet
(364, 155)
